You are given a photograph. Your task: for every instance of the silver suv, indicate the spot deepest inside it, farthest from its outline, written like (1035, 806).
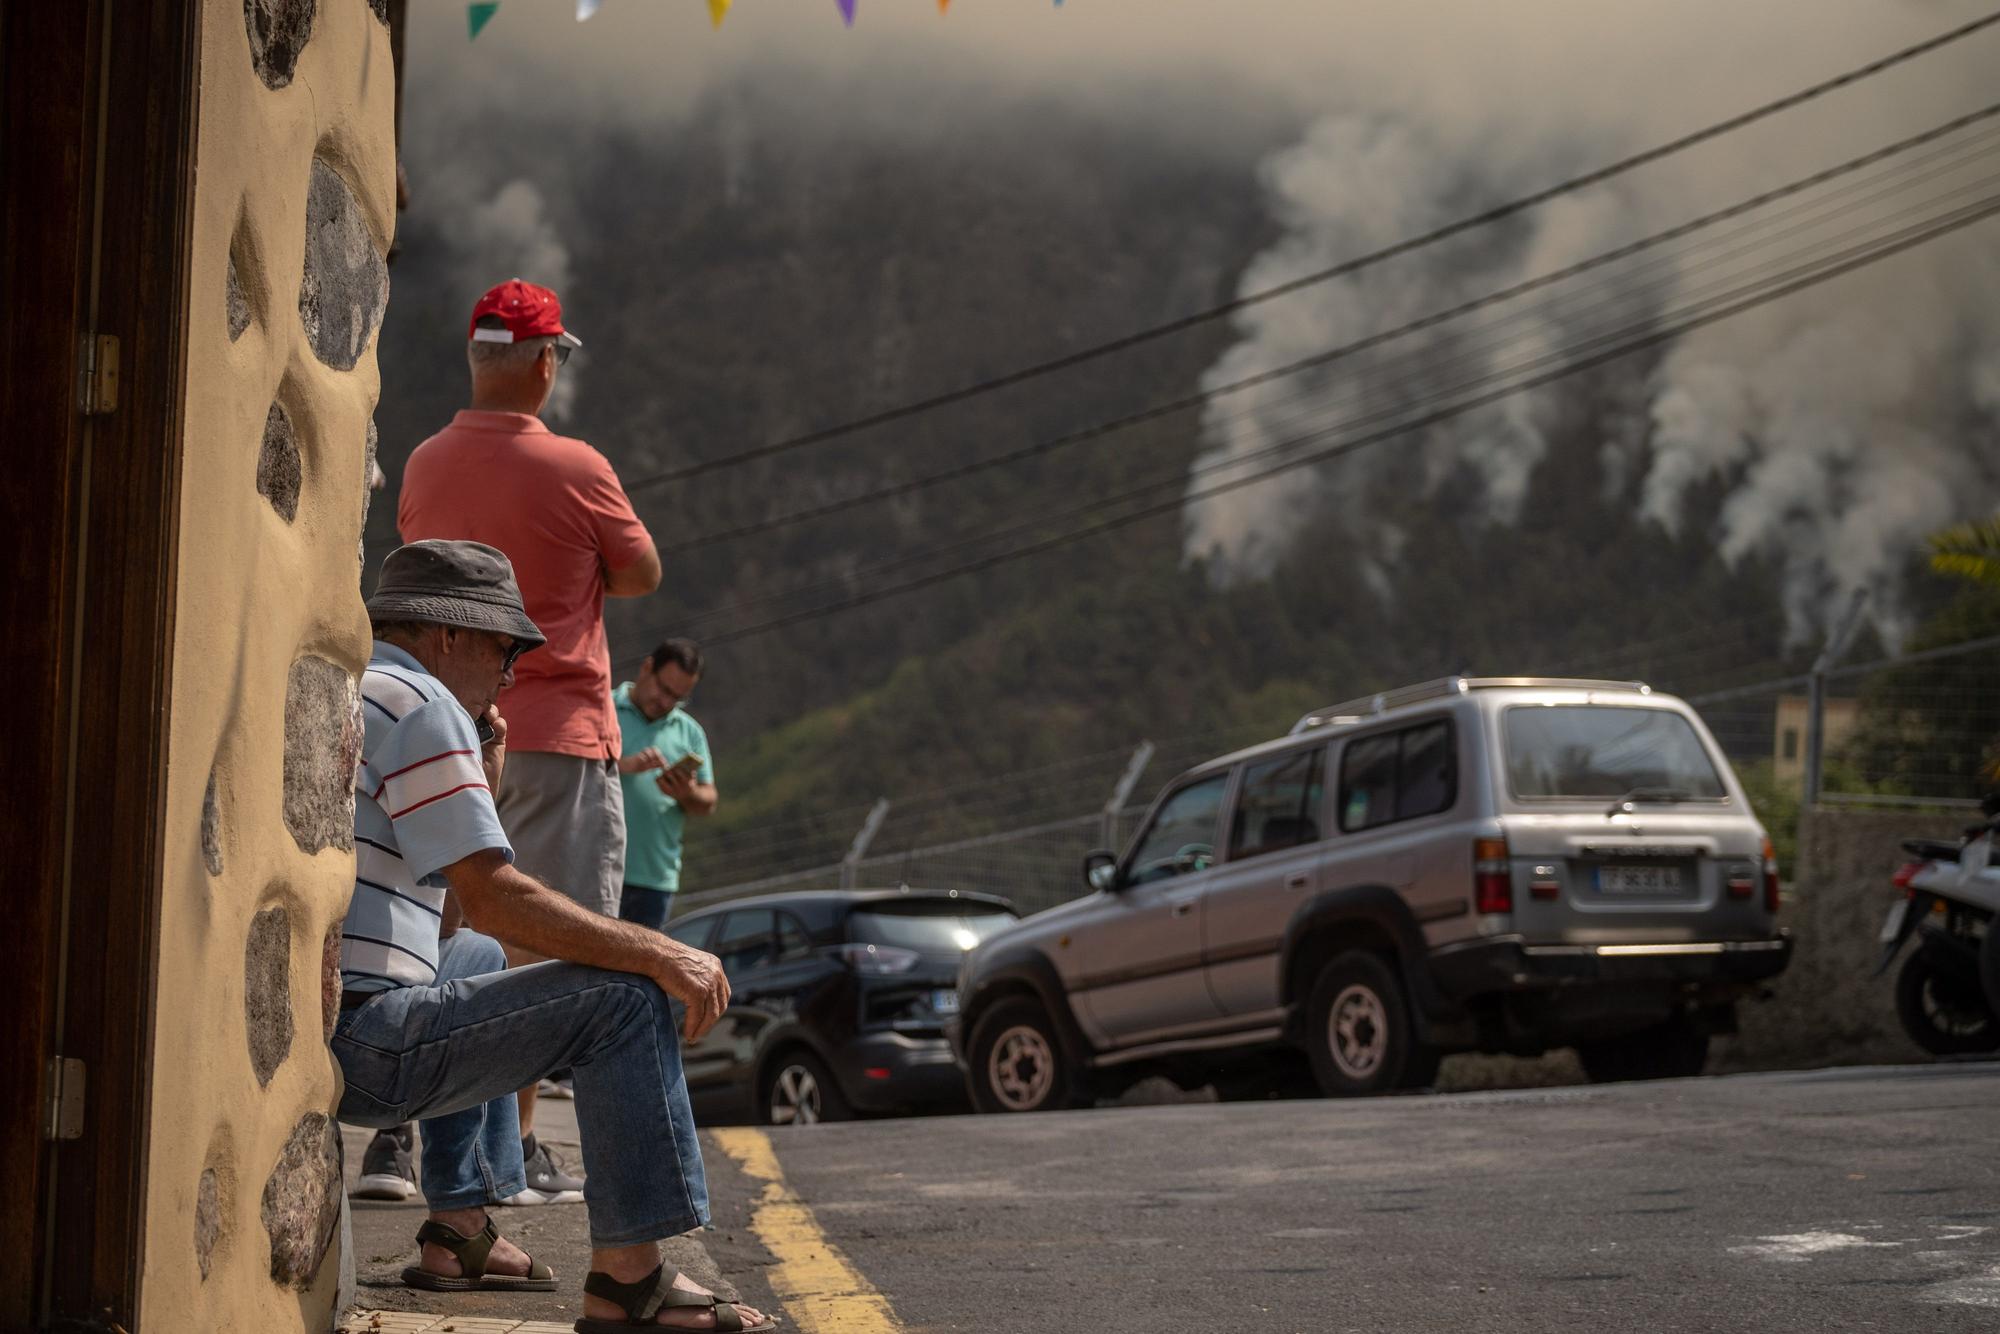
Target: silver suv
(1499, 865)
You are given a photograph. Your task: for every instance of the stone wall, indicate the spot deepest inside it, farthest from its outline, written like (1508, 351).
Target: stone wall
(294, 208)
(1826, 1009)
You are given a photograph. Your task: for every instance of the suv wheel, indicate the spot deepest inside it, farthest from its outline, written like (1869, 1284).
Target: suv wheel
(800, 1091)
(1017, 1060)
(1358, 1031)
(1674, 1049)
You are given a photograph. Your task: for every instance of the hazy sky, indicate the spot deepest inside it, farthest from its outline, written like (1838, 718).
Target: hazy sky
(1496, 59)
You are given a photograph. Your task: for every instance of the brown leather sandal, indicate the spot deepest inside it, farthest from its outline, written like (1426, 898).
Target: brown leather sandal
(645, 1299)
(472, 1253)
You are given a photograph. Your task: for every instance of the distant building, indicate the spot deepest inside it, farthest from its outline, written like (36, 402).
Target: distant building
(1788, 748)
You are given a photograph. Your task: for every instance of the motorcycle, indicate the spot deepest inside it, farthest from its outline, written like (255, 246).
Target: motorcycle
(1948, 991)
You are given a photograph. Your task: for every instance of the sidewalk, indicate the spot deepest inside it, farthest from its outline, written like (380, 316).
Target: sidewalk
(559, 1234)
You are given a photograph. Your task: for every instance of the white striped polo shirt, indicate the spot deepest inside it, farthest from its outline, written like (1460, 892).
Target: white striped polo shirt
(420, 804)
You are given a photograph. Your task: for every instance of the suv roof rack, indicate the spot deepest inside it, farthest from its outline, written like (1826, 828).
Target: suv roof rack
(1355, 710)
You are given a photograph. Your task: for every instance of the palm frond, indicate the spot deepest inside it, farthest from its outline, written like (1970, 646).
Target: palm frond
(1969, 550)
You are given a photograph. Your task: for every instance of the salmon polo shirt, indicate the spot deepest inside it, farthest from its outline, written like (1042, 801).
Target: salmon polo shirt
(555, 506)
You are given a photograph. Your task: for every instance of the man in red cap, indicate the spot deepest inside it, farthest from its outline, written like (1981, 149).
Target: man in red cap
(497, 475)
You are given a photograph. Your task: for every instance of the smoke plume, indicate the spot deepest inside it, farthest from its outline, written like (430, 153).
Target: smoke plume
(1843, 423)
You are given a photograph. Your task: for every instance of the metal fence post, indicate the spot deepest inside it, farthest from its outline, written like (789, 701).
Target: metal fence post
(1836, 646)
(850, 865)
(1141, 757)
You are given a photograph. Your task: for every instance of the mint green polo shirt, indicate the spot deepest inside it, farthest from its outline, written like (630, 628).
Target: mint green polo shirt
(654, 821)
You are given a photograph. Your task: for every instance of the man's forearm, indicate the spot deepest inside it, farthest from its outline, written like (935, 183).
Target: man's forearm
(518, 910)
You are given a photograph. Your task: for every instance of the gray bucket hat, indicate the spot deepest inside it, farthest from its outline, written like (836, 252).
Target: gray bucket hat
(467, 584)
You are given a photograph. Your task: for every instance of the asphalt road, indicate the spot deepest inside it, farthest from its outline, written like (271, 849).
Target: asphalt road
(1836, 1200)
(1823, 1201)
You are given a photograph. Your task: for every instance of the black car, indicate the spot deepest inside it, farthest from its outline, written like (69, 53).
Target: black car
(837, 1002)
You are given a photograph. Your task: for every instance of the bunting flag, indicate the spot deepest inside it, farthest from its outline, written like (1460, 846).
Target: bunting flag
(479, 13)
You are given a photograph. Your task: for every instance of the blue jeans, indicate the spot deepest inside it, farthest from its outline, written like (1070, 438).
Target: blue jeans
(455, 1051)
(647, 907)
(473, 1156)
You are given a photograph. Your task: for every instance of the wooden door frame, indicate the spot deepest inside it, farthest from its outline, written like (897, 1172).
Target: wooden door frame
(97, 175)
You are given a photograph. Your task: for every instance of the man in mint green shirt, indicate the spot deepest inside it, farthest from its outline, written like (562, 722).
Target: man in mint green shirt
(667, 775)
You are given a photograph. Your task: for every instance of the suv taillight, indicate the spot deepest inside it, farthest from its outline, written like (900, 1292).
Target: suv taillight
(1492, 876)
(1770, 877)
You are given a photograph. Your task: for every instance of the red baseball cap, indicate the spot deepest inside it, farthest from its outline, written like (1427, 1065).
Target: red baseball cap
(527, 311)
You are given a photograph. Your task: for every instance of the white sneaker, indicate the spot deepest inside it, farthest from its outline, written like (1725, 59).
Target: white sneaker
(556, 1088)
(547, 1182)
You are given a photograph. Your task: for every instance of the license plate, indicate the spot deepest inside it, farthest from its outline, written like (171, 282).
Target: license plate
(1638, 879)
(1897, 912)
(944, 1002)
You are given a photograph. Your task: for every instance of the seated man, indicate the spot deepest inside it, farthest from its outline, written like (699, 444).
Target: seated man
(448, 1036)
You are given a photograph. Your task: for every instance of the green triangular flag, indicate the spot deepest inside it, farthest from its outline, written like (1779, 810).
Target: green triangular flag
(478, 15)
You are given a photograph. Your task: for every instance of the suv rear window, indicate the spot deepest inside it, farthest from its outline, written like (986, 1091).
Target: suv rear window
(935, 928)
(1601, 751)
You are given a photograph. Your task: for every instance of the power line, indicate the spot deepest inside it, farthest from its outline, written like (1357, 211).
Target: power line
(1428, 371)
(1806, 276)
(1346, 267)
(1418, 371)
(1159, 411)
(1179, 480)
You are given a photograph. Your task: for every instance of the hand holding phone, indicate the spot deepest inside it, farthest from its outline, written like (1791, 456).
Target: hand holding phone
(491, 729)
(678, 778)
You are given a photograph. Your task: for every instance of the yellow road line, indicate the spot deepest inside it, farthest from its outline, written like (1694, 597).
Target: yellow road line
(822, 1292)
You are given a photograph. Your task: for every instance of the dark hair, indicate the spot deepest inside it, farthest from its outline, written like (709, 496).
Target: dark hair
(682, 653)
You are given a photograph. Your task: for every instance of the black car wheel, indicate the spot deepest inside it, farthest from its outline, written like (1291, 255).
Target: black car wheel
(1943, 1014)
(800, 1091)
(1674, 1049)
(1017, 1060)
(1358, 1031)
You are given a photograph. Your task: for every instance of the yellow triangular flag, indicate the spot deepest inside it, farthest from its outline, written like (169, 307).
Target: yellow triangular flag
(716, 9)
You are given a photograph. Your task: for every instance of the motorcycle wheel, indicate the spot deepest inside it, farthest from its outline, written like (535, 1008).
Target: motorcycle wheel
(1941, 1014)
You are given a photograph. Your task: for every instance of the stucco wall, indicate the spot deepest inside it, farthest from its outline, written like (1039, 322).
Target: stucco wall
(1826, 1009)
(294, 206)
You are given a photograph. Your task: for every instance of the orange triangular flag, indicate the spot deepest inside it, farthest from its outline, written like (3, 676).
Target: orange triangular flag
(943, 5)
(716, 9)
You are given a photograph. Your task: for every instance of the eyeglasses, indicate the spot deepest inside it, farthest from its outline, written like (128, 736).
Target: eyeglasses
(562, 351)
(660, 682)
(515, 648)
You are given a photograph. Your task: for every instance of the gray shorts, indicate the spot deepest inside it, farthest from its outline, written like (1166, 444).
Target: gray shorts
(565, 816)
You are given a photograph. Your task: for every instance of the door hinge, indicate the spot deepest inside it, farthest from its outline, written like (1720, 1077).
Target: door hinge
(65, 1110)
(99, 394)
